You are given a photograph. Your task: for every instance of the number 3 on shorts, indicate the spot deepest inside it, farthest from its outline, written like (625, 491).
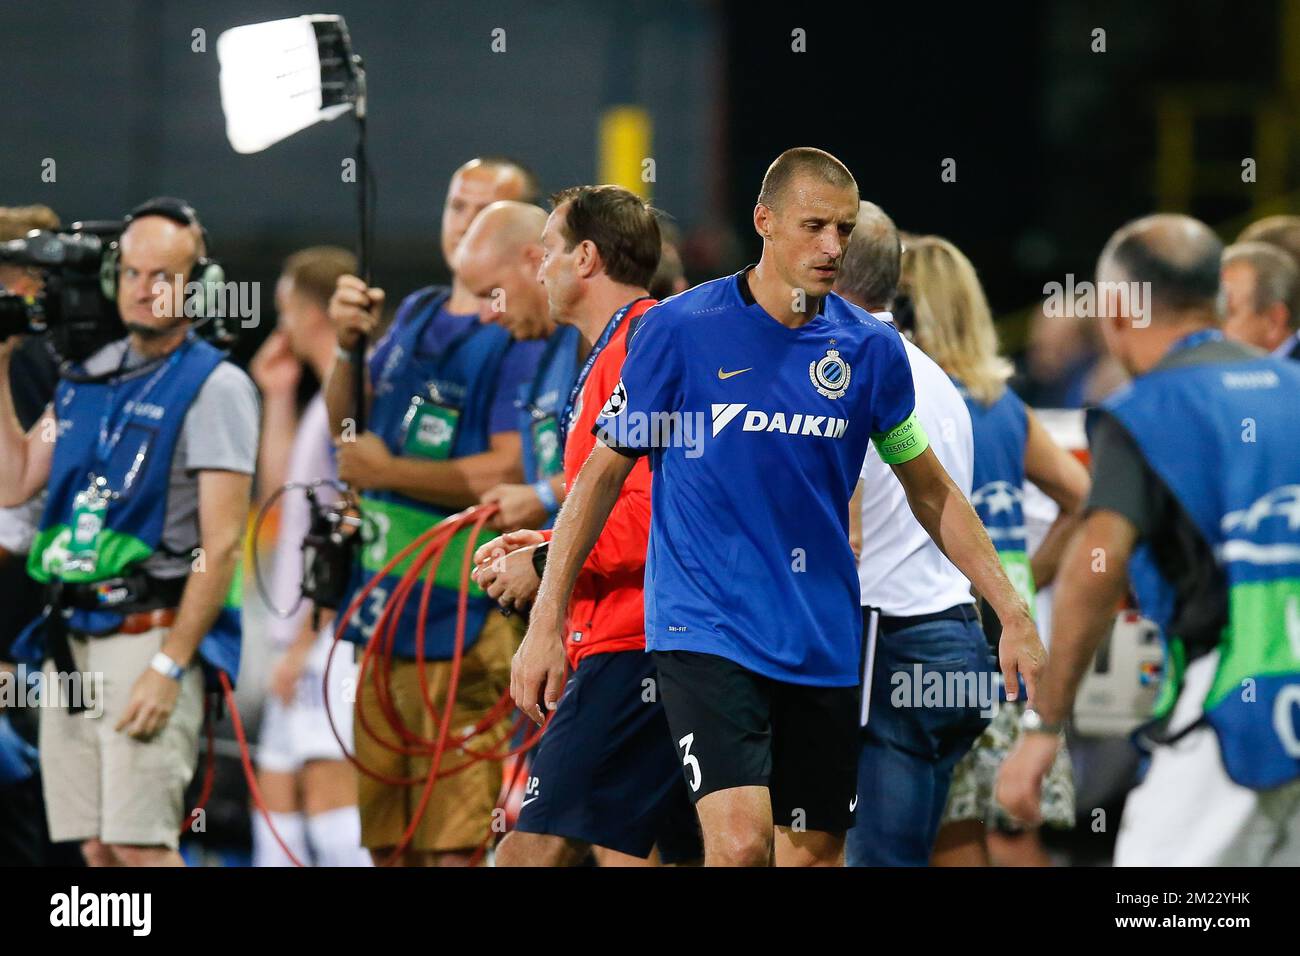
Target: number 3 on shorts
(689, 760)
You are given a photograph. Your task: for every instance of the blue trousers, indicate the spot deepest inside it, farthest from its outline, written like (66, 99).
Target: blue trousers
(929, 699)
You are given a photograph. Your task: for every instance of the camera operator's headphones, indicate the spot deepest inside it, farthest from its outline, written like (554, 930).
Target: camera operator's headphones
(207, 273)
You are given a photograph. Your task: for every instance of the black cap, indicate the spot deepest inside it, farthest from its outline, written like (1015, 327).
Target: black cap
(169, 207)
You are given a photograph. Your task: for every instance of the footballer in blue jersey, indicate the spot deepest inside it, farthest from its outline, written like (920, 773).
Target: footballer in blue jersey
(755, 397)
(749, 555)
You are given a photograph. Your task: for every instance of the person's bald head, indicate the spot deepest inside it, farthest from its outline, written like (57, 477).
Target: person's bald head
(503, 228)
(1158, 278)
(155, 256)
(1174, 257)
(497, 261)
(869, 273)
(477, 183)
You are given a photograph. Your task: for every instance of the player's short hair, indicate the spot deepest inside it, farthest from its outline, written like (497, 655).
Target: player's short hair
(802, 159)
(870, 268)
(18, 221)
(1177, 255)
(622, 226)
(1282, 232)
(532, 186)
(1276, 277)
(315, 271)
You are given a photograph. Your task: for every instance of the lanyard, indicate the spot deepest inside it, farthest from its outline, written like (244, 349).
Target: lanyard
(1195, 339)
(107, 443)
(596, 349)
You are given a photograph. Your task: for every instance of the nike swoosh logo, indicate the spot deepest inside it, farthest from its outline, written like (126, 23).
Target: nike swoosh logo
(528, 801)
(726, 375)
(852, 806)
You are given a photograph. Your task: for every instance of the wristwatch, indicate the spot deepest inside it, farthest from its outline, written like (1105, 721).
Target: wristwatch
(539, 558)
(167, 667)
(1031, 722)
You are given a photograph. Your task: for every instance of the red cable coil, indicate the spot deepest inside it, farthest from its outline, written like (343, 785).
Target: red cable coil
(432, 544)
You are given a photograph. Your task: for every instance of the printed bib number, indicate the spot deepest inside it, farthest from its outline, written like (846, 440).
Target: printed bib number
(369, 612)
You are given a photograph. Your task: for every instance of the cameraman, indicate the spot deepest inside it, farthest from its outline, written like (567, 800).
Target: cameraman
(148, 452)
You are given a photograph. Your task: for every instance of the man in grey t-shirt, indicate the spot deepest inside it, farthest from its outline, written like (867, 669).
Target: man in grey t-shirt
(115, 776)
(220, 434)
(1188, 810)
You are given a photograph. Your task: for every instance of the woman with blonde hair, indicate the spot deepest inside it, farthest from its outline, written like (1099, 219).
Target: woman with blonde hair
(949, 318)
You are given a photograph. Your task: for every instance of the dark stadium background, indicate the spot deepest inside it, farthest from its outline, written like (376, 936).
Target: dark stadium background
(1055, 145)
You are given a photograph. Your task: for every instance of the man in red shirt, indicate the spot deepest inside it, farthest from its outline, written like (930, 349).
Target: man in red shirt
(605, 775)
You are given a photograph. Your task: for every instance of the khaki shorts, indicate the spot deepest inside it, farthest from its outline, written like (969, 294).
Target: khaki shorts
(459, 812)
(98, 782)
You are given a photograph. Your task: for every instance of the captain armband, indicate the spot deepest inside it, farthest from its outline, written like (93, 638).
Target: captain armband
(903, 442)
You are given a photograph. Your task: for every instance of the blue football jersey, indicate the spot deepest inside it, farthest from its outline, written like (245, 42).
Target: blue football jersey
(757, 433)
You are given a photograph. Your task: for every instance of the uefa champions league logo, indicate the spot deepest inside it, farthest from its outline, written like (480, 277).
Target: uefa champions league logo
(1281, 502)
(617, 402)
(997, 497)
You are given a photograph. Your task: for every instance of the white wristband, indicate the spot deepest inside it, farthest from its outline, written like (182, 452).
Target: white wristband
(343, 354)
(166, 666)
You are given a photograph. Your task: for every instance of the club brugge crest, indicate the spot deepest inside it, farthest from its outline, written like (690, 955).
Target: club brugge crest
(830, 374)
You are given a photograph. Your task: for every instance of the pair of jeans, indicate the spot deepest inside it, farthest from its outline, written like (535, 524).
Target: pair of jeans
(931, 693)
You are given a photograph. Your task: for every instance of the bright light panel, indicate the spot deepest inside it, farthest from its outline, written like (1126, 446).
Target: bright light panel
(271, 82)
